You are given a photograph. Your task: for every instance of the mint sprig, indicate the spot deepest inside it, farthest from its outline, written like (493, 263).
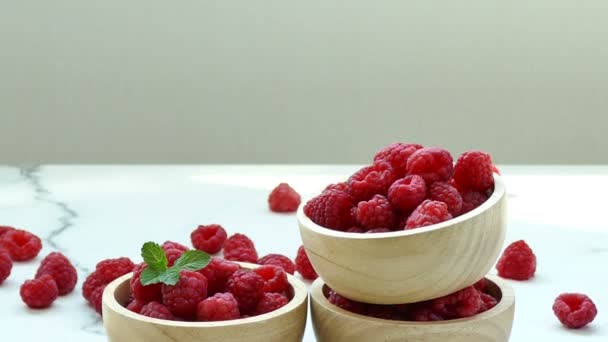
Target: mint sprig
(158, 272)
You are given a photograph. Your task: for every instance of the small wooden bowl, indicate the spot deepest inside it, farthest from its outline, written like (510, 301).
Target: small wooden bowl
(285, 324)
(410, 265)
(333, 324)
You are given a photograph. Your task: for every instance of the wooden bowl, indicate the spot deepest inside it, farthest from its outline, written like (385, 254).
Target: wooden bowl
(333, 324)
(285, 324)
(410, 265)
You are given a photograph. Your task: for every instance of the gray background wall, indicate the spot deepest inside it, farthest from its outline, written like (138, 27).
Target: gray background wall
(202, 81)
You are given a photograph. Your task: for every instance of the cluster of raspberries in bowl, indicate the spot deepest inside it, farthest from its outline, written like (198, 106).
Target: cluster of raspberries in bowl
(407, 186)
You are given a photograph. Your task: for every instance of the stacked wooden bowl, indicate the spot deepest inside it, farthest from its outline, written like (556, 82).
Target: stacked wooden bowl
(406, 267)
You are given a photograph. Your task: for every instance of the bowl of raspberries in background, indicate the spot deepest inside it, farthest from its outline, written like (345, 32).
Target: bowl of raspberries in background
(412, 226)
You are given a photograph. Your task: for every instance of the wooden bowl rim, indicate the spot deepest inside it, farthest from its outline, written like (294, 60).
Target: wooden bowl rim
(300, 296)
(497, 195)
(507, 300)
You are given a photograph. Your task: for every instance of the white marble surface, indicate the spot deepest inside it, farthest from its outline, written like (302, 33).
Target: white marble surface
(96, 212)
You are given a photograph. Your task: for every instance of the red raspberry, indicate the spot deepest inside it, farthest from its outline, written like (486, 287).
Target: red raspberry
(275, 278)
(39, 293)
(247, 287)
(270, 301)
(6, 265)
(378, 230)
(370, 180)
(444, 192)
(110, 269)
(243, 254)
(278, 260)
(182, 298)
(431, 163)
(381, 311)
(284, 199)
(407, 193)
(331, 209)
(158, 311)
(574, 310)
(91, 283)
(397, 155)
(136, 305)
(174, 245)
(346, 304)
(473, 170)
(21, 245)
(5, 229)
(355, 229)
(173, 251)
(217, 273)
(148, 293)
(303, 265)
(487, 302)
(219, 307)
(428, 213)
(376, 212)
(517, 262)
(61, 269)
(472, 199)
(238, 240)
(209, 238)
(464, 303)
(342, 186)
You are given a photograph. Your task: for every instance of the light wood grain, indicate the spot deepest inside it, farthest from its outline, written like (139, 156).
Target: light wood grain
(412, 265)
(285, 324)
(332, 324)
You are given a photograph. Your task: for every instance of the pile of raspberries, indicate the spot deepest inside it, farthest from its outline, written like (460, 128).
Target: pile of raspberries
(56, 276)
(467, 302)
(222, 290)
(408, 186)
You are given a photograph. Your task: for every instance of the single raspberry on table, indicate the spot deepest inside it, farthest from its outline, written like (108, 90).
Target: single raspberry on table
(444, 192)
(91, 283)
(158, 311)
(370, 180)
(376, 212)
(397, 154)
(247, 287)
(270, 301)
(21, 245)
(346, 304)
(5, 229)
(303, 265)
(431, 163)
(209, 238)
(217, 273)
(61, 269)
(39, 293)
(428, 213)
(407, 193)
(378, 230)
(517, 262)
(278, 260)
(144, 293)
(331, 209)
(574, 310)
(472, 199)
(219, 307)
(111, 269)
(275, 278)
(243, 254)
(474, 170)
(487, 302)
(464, 303)
(6, 265)
(283, 199)
(182, 298)
(136, 305)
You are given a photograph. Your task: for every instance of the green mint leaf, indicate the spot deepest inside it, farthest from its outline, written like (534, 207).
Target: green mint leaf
(150, 276)
(192, 260)
(154, 255)
(170, 276)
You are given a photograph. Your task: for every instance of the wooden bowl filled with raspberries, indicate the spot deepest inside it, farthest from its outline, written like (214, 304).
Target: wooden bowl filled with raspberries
(482, 312)
(234, 302)
(413, 226)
